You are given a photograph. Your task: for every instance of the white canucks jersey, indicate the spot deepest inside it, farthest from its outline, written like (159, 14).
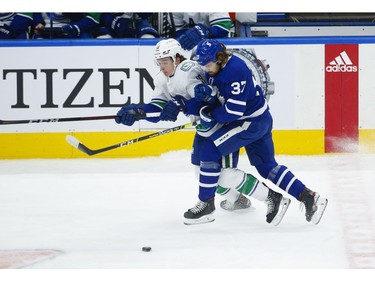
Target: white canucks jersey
(186, 76)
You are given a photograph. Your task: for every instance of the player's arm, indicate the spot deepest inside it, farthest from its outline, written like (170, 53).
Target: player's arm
(128, 114)
(195, 78)
(235, 106)
(219, 27)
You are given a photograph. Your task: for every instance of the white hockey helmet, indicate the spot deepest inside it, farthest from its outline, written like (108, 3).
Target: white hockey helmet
(167, 48)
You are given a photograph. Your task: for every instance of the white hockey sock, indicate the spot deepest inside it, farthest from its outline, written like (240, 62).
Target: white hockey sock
(260, 192)
(229, 182)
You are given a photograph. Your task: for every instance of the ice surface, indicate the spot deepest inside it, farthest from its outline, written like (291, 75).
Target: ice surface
(101, 212)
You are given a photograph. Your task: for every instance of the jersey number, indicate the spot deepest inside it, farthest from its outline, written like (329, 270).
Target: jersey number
(238, 87)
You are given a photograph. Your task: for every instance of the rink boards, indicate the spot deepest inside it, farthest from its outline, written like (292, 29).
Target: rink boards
(323, 100)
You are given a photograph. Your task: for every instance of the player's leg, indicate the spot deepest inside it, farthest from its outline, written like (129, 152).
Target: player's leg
(261, 155)
(248, 185)
(206, 155)
(233, 199)
(239, 137)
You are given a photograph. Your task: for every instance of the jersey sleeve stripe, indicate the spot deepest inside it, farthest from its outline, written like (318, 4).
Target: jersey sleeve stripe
(238, 113)
(236, 102)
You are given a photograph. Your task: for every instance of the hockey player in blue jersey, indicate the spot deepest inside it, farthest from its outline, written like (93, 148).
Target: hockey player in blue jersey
(174, 92)
(240, 117)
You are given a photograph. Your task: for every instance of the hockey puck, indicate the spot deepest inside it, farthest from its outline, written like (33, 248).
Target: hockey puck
(146, 249)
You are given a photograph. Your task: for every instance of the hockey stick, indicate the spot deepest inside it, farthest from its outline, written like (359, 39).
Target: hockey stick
(77, 144)
(52, 120)
(69, 119)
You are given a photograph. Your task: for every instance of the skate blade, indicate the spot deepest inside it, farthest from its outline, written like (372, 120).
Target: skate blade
(204, 219)
(282, 210)
(321, 203)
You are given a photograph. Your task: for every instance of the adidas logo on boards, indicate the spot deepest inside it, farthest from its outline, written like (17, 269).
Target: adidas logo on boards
(341, 63)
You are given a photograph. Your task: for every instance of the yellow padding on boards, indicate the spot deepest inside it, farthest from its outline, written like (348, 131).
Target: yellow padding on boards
(54, 145)
(367, 141)
(299, 142)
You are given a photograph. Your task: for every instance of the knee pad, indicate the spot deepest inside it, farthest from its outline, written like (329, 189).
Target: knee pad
(231, 178)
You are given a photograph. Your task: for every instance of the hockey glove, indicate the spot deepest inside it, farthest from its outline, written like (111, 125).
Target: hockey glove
(208, 125)
(128, 114)
(70, 31)
(193, 36)
(206, 118)
(203, 92)
(123, 28)
(172, 109)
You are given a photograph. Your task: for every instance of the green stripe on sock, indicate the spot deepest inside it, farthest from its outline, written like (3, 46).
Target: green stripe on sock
(221, 190)
(249, 184)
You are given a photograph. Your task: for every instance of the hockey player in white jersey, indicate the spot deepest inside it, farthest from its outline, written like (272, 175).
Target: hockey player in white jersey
(174, 84)
(174, 90)
(173, 93)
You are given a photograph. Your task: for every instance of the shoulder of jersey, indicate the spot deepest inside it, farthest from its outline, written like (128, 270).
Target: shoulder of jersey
(237, 63)
(188, 65)
(237, 60)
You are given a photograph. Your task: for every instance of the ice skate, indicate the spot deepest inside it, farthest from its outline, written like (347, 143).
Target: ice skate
(241, 203)
(277, 206)
(313, 204)
(201, 213)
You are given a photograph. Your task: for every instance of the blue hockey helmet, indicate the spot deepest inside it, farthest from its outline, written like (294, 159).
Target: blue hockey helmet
(206, 51)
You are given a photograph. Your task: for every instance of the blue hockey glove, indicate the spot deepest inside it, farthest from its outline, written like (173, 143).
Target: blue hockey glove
(70, 31)
(193, 36)
(172, 109)
(123, 28)
(128, 114)
(203, 92)
(145, 28)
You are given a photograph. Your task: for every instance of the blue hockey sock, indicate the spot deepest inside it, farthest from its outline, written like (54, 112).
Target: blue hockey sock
(208, 179)
(286, 180)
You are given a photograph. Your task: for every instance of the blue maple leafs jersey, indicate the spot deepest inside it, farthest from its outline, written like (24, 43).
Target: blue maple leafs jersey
(239, 97)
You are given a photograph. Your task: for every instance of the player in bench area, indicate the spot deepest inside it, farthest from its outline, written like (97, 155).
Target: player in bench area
(175, 88)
